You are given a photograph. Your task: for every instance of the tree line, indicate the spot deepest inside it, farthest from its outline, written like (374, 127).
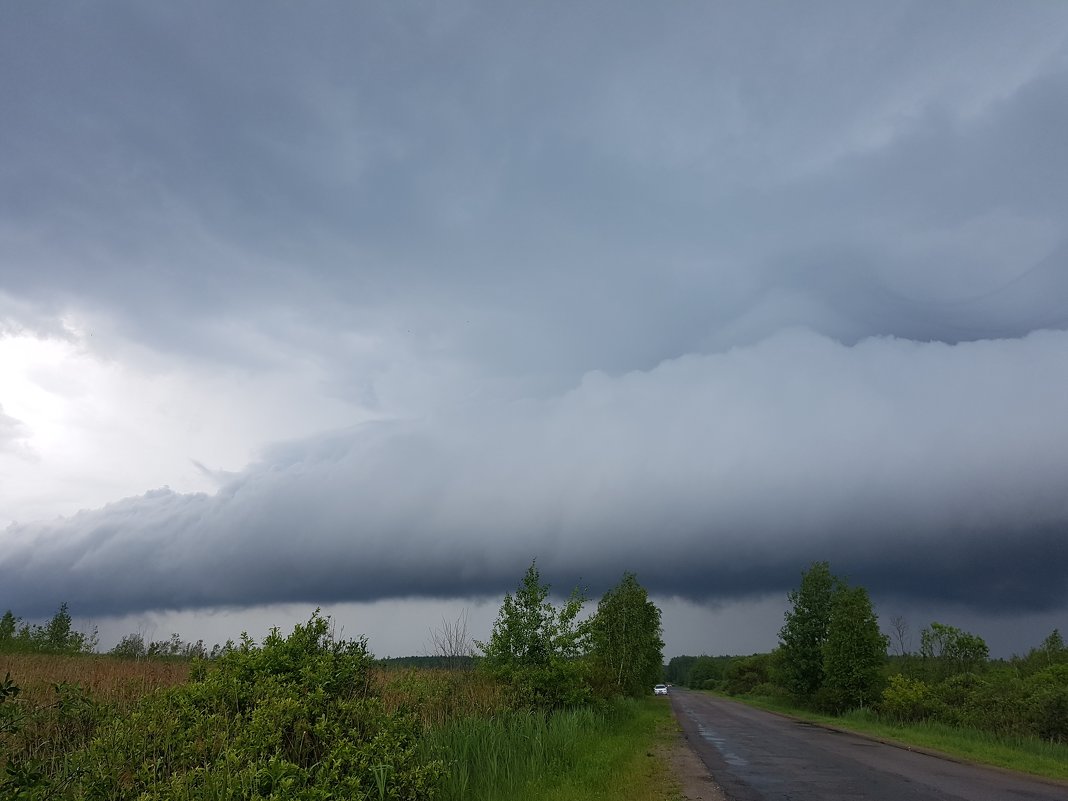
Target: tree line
(833, 657)
(57, 636)
(547, 654)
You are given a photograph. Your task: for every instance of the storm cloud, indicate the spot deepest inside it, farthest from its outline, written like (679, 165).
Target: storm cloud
(706, 293)
(714, 476)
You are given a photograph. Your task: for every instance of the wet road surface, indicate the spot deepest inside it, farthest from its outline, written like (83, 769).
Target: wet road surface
(757, 756)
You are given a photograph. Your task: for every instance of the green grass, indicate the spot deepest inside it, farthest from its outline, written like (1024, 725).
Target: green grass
(1024, 754)
(578, 755)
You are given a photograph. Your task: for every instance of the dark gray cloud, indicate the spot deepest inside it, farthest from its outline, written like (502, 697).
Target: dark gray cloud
(714, 477)
(706, 292)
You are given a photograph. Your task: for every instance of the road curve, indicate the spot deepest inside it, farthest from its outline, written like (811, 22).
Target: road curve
(757, 756)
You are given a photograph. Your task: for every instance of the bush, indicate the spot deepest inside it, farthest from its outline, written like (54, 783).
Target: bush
(295, 718)
(831, 700)
(744, 674)
(769, 690)
(907, 700)
(996, 702)
(1048, 703)
(959, 700)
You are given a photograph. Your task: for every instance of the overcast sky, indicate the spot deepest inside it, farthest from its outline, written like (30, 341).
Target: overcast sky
(368, 305)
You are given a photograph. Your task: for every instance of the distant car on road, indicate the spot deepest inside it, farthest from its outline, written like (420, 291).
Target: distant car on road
(660, 689)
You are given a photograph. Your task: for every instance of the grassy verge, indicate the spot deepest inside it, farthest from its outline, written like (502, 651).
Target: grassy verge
(581, 755)
(1025, 754)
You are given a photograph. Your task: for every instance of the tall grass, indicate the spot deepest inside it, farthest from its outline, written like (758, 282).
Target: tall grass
(490, 758)
(584, 753)
(438, 697)
(106, 678)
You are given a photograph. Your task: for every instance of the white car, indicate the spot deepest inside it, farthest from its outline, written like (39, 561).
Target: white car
(660, 689)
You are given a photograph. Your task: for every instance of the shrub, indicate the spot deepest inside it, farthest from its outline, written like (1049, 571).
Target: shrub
(995, 702)
(957, 698)
(768, 689)
(745, 673)
(908, 699)
(293, 718)
(1048, 703)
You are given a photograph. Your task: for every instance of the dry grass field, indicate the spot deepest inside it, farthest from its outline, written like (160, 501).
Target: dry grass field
(118, 681)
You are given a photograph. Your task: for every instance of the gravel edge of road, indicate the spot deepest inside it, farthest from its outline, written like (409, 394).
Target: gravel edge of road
(689, 770)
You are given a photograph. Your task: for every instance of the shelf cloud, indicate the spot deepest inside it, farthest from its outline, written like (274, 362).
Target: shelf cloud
(716, 477)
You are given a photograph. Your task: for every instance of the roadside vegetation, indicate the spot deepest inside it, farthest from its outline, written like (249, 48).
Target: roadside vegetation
(551, 706)
(833, 665)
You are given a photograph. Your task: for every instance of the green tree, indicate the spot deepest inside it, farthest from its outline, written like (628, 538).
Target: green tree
(678, 669)
(1052, 647)
(853, 653)
(1051, 652)
(743, 674)
(805, 631)
(8, 624)
(708, 671)
(948, 650)
(59, 634)
(535, 646)
(626, 648)
(131, 646)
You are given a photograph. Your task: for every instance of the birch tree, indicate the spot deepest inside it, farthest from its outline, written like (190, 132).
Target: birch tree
(625, 641)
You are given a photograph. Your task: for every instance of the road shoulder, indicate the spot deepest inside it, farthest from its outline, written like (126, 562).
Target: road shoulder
(695, 782)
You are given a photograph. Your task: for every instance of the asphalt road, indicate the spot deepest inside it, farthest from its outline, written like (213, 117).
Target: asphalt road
(757, 756)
